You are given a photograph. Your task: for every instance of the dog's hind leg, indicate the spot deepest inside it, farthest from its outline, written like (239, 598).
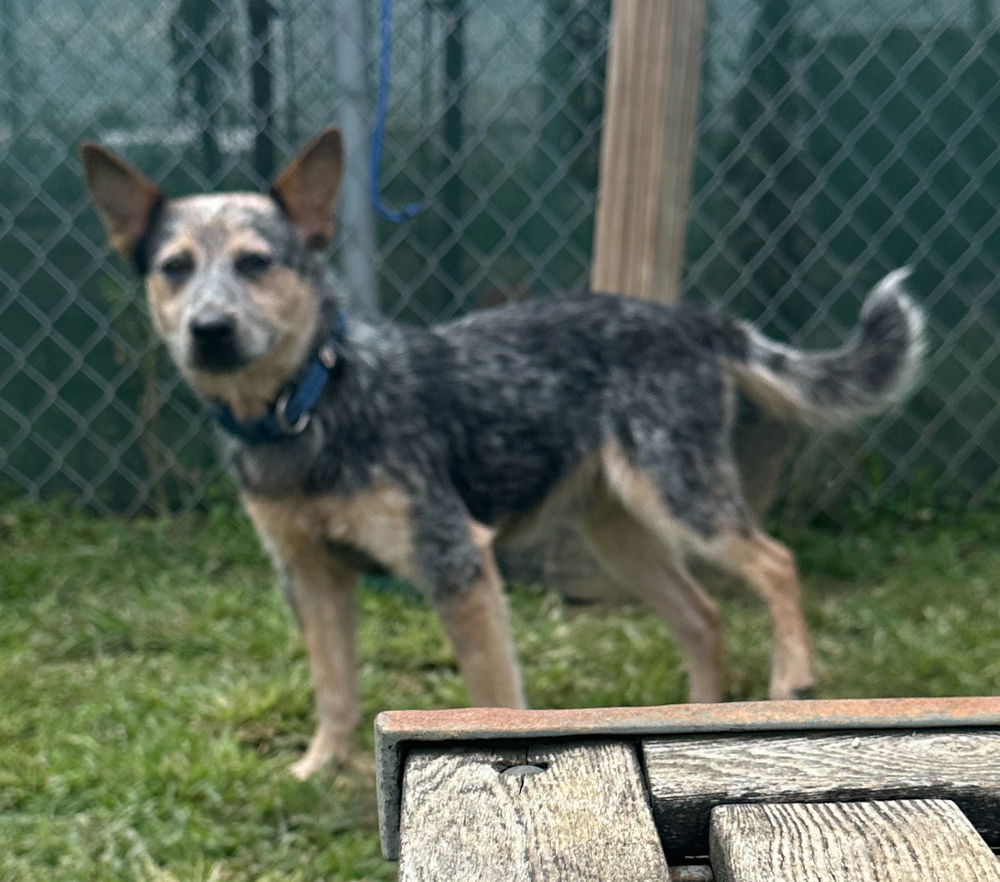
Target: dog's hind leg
(476, 620)
(768, 567)
(654, 573)
(728, 539)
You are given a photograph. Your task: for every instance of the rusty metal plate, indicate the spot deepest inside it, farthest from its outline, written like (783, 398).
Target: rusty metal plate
(395, 729)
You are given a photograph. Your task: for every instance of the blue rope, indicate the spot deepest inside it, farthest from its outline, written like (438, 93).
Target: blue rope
(381, 102)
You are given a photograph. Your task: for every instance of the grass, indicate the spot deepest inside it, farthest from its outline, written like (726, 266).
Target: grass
(155, 692)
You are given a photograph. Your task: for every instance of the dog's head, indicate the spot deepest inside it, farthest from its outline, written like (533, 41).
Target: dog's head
(231, 278)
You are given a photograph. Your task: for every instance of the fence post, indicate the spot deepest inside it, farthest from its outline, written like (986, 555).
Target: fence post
(358, 246)
(651, 103)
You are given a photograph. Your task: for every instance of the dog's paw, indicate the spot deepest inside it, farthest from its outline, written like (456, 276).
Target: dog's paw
(306, 767)
(352, 763)
(793, 693)
(327, 746)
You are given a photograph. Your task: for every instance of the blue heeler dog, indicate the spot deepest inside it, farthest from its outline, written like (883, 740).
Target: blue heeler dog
(360, 446)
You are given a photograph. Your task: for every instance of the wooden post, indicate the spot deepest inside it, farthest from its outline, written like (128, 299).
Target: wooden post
(651, 103)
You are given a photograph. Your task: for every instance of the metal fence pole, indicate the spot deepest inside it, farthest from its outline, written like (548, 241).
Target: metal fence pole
(357, 246)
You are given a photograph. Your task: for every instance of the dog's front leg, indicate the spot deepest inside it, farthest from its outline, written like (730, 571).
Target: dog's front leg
(324, 604)
(320, 591)
(477, 622)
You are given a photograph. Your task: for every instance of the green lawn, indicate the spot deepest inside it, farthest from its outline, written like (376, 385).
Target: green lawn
(155, 692)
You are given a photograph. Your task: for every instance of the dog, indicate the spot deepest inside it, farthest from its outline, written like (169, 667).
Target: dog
(361, 447)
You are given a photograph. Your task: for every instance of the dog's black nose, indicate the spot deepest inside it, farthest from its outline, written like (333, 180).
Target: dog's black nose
(215, 342)
(213, 329)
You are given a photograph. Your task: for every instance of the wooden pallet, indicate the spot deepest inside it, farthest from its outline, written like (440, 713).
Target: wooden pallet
(814, 791)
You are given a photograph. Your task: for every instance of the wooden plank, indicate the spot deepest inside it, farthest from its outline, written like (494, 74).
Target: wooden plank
(647, 140)
(690, 775)
(396, 730)
(551, 811)
(897, 841)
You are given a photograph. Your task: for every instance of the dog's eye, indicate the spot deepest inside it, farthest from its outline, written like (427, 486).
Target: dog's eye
(252, 263)
(177, 267)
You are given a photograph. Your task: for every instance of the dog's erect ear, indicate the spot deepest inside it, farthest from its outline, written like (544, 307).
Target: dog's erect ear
(125, 198)
(307, 188)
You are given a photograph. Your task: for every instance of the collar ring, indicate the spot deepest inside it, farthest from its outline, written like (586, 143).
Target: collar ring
(327, 356)
(281, 416)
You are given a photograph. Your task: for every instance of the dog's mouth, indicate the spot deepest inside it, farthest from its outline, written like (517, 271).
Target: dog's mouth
(218, 357)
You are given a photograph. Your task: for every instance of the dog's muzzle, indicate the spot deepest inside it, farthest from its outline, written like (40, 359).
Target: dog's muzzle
(215, 343)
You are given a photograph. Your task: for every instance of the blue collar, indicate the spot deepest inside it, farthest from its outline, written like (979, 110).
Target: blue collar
(293, 410)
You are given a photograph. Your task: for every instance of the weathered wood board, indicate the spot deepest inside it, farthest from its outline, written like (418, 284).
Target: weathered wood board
(895, 841)
(399, 732)
(688, 776)
(549, 812)
(647, 144)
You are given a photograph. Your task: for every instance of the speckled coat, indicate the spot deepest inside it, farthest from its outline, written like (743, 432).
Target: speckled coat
(424, 446)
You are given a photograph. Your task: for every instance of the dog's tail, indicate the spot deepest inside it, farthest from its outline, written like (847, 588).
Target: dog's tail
(874, 369)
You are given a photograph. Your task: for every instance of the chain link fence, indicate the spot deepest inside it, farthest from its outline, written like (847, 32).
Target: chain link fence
(837, 139)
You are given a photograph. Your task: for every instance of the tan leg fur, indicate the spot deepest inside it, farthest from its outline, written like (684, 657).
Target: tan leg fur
(322, 596)
(477, 622)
